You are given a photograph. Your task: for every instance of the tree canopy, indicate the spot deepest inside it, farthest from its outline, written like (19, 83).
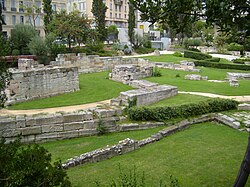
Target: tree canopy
(47, 9)
(226, 14)
(99, 9)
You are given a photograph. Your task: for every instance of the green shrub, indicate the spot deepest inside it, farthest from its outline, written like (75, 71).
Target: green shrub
(177, 54)
(241, 60)
(182, 111)
(194, 49)
(144, 50)
(234, 47)
(214, 59)
(192, 43)
(221, 66)
(156, 72)
(38, 47)
(101, 128)
(196, 55)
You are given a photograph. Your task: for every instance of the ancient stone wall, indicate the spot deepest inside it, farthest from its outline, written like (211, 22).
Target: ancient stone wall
(183, 66)
(33, 83)
(127, 73)
(45, 127)
(94, 63)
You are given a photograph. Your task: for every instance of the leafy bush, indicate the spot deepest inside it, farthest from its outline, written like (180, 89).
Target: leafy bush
(15, 52)
(221, 66)
(182, 111)
(196, 55)
(194, 49)
(156, 72)
(29, 165)
(192, 43)
(4, 47)
(21, 35)
(144, 50)
(101, 128)
(177, 54)
(234, 47)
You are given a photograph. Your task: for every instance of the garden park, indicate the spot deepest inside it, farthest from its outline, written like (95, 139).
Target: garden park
(80, 109)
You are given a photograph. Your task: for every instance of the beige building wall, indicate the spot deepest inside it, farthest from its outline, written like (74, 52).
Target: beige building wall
(116, 14)
(14, 13)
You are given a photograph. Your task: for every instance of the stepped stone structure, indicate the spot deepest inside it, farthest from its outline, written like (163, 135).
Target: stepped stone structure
(32, 81)
(231, 75)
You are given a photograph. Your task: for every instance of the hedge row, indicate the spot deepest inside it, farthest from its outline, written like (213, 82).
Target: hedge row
(196, 55)
(241, 60)
(182, 111)
(221, 66)
(214, 59)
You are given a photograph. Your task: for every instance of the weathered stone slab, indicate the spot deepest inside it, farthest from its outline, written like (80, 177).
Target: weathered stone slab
(52, 128)
(31, 130)
(73, 126)
(244, 106)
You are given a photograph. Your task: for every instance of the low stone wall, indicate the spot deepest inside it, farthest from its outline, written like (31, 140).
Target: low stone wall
(34, 83)
(46, 127)
(130, 72)
(129, 145)
(94, 63)
(145, 96)
(244, 106)
(183, 66)
(195, 77)
(233, 76)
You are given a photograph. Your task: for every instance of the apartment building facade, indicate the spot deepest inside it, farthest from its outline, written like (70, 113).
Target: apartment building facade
(14, 12)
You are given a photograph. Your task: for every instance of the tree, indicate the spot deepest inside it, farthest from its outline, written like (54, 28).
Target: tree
(71, 25)
(1, 19)
(131, 23)
(99, 10)
(47, 9)
(21, 35)
(29, 165)
(32, 11)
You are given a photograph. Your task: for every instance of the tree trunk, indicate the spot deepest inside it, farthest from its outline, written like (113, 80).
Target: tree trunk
(244, 168)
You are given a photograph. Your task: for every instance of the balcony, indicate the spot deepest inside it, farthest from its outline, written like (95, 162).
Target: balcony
(118, 2)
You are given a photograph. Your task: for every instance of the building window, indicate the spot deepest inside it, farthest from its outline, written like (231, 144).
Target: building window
(37, 21)
(110, 14)
(63, 7)
(115, 7)
(115, 15)
(13, 5)
(125, 16)
(120, 16)
(4, 18)
(13, 20)
(22, 19)
(21, 6)
(125, 8)
(82, 6)
(120, 8)
(110, 6)
(4, 5)
(54, 7)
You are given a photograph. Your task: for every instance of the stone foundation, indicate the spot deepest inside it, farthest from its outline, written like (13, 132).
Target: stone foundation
(245, 76)
(195, 77)
(35, 83)
(183, 66)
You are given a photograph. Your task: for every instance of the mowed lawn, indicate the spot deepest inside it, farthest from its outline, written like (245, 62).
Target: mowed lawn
(203, 155)
(177, 78)
(93, 87)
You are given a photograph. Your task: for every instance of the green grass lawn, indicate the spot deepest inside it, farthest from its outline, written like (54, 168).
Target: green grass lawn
(170, 77)
(93, 87)
(180, 99)
(65, 149)
(166, 58)
(204, 155)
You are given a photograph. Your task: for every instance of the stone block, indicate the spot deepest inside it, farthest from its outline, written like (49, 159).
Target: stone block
(7, 133)
(73, 126)
(128, 127)
(20, 121)
(68, 134)
(169, 130)
(31, 130)
(73, 117)
(7, 123)
(52, 128)
(244, 106)
(47, 136)
(89, 124)
(49, 119)
(87, 132)
(28, 139)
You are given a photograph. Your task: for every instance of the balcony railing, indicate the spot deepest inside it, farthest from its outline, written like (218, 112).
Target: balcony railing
(13, 9)
(118, 2)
